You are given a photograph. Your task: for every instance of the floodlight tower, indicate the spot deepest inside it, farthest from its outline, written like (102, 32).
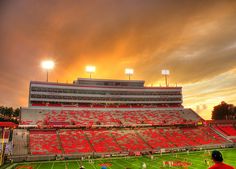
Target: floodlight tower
(129, 72)
(47, 65)
(165, 72)
(90, 70)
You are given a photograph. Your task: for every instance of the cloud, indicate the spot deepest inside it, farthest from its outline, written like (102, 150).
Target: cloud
(202, 96)
(194, 39)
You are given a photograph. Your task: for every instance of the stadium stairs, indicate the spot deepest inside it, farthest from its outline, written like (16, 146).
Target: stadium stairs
(143, 139)
(87, 138)
(223, 134)
(115, 141)
(74, 141)
(60, 142)
(20, 141)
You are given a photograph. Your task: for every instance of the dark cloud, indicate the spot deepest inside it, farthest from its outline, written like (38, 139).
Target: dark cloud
(194, 39)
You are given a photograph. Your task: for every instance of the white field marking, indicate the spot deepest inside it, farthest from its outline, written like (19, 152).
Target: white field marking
(52, 165)
(148, 162)
(77, 163)
(39, 165)
(131, 163)
(92, 165)
(119, 164)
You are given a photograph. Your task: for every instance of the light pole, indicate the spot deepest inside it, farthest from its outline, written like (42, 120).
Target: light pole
(90, 70)
(47, 65)
(129, 72)
(165, 72)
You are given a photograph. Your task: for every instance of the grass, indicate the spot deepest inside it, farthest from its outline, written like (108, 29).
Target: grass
(197, 160)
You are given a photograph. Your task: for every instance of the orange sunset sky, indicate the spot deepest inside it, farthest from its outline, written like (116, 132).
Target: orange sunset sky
(194, 39)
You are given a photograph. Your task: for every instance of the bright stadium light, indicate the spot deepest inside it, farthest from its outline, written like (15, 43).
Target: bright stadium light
(90, 70)
(47, 65)
(165, 72)
(129, 72)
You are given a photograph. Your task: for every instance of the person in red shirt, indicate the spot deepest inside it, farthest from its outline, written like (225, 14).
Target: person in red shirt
(218, 160)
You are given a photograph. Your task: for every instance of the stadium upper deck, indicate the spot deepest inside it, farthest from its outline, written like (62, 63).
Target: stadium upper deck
(103, 92)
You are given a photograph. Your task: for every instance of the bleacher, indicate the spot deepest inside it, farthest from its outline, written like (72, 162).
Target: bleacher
(113, 117)
(44, 142)
(227, 129)
(129, 140)
(75, 141)
(180, 137)
(102, 141)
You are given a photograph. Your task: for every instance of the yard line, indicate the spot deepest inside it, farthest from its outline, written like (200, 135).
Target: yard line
(119, 164)
(92, 165)
(77, 163)
(39, 165)
(52, 165)
(131, 164)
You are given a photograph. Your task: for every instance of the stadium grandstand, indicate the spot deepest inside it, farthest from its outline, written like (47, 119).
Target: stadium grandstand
(104, 118)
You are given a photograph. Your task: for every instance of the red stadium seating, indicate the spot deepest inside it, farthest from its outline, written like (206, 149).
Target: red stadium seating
(44, 142)
(227, 129)
(129, 140)
(117, 118)
(180, 137)
(102, 141)
(74, 141)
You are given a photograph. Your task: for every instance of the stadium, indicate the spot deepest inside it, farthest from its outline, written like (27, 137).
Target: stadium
(108, 123)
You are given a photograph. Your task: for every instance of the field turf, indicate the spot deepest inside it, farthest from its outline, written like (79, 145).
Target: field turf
(195, 160)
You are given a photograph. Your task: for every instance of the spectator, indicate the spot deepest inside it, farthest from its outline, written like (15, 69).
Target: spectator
(218, 160)
(82, 167)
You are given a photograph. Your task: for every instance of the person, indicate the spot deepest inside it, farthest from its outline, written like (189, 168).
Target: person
(218, 160)
(144, 166)
(164, 163)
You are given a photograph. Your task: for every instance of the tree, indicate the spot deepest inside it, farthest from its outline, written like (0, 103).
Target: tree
(224, 111)
(9, 114)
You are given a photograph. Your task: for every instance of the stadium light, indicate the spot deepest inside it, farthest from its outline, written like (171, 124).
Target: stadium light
(165, 72)
(90, 70)
(129, 72)
(47, 65)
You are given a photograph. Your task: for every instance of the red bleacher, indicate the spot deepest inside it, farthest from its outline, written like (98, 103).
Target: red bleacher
(44, 142)
(77, 141)
(227, 129)
(129, 140)
(180, 137)
(74, 141)
(102, 141)
(87, 118)
(154, 138)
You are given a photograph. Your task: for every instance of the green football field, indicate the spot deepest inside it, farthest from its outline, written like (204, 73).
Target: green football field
(193, 160)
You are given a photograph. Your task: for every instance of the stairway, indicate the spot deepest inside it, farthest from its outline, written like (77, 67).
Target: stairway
(143, 139)
(116, 141)
(59, 141)
(164, 135)
(221, 134)
(87, 138)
